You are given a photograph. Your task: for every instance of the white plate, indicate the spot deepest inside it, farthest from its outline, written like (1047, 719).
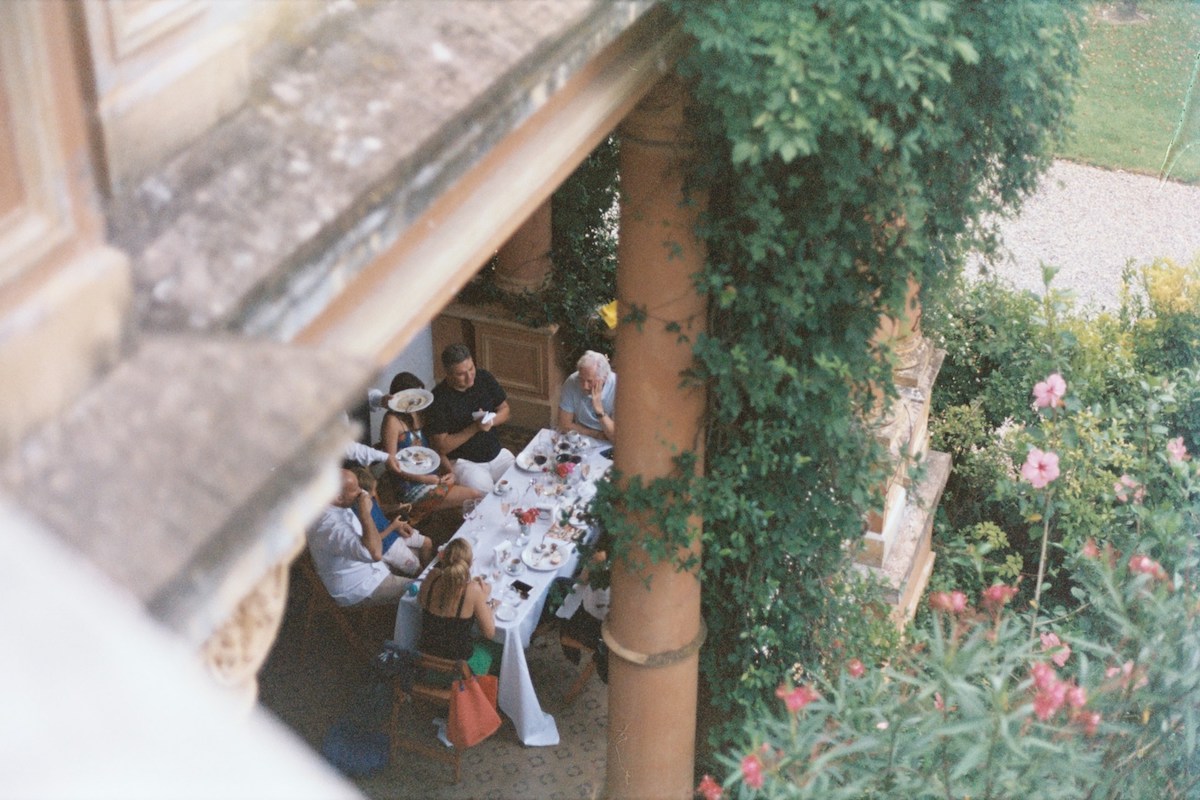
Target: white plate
(506, 613)
(545, 563)
(418, 460)
(410, 400)
(525, 461)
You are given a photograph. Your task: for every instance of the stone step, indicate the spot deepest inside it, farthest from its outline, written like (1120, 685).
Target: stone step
(906, 568)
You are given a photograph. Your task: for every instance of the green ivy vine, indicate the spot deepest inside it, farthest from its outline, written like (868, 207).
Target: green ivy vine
(845, 145)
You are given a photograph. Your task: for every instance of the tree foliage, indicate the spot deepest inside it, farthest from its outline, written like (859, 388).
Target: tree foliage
(845, 146)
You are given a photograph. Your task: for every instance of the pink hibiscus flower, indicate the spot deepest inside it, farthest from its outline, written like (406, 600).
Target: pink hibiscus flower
(1050, 392)
(1177, 450)
(1040, 468)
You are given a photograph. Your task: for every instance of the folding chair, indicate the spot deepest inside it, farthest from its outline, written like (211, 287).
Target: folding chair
(353, 621)
(427, 693)
(571, 643)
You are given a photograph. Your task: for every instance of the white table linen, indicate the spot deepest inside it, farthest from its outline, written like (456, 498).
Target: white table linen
(517, 696)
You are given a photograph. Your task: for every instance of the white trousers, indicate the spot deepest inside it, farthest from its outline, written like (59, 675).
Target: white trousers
(483, 477)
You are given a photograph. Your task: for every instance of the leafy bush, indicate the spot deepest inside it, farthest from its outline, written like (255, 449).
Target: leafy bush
(1132, 368)
(1101, 700)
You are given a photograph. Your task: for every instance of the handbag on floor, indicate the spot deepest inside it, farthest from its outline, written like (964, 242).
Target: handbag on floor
(473, 716)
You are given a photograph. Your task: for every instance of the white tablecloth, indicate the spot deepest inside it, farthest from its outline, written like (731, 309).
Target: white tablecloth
(517, 696)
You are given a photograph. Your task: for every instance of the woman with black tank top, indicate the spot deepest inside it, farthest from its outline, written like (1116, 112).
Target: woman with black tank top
(451, 604)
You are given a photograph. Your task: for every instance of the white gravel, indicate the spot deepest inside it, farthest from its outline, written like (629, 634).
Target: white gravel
(1089, 222)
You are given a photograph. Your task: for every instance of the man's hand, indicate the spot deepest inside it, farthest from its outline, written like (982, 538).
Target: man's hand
(363, 501)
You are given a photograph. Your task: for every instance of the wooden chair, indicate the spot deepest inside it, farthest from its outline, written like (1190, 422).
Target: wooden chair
(353, 621)
(571, 643)
(427, 694)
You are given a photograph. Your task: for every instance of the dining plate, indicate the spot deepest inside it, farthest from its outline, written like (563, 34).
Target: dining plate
(418, 460)
(506, 613)
(410, 400)
(543, 562)
(528, 461)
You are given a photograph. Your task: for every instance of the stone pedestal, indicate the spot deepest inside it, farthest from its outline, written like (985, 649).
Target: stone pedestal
(896, 538)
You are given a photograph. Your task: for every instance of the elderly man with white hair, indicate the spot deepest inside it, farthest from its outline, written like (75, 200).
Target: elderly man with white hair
(588, 398)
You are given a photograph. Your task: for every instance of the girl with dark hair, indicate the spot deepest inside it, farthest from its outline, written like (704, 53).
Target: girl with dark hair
(426, 493)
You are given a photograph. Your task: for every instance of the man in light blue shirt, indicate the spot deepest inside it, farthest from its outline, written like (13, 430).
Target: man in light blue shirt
(588, 398)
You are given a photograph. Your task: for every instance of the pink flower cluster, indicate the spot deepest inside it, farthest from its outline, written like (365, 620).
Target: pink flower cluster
(754, 766)
(564, 469)
(709, 789)
(856, 668)
(1051, 693)
(1040, 468)
(797, 698)
(1061, 652)
(997, 596)
(1126, 489)
(752, 771)
(1145, 565)
(1177, 450)
(1050, 392)
(951, 602)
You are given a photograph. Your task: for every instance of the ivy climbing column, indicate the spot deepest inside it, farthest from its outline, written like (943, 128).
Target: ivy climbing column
(654, 629)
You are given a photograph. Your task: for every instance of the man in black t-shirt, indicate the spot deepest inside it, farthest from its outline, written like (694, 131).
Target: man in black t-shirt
(467, 405)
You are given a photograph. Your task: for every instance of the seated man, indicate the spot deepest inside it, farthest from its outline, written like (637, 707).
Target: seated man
(467, 406)
(588, 398)
(405, 550)
(347, 550)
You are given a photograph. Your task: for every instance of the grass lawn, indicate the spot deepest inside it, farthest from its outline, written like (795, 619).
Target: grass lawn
(1133, 85)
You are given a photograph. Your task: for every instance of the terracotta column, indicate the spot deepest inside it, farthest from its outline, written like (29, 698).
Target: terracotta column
(654, 629)
(523, 263)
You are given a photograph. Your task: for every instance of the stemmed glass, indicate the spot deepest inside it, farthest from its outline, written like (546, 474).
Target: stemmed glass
(469, 508)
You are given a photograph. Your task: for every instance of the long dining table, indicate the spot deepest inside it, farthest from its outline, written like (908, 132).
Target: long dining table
(529, 485)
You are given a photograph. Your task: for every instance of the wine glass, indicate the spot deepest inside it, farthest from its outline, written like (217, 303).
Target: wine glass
(468, 509)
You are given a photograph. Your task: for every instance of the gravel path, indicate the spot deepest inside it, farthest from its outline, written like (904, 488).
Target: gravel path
(1089, 222)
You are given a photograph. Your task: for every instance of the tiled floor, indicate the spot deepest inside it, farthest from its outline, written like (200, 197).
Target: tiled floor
(310, 683)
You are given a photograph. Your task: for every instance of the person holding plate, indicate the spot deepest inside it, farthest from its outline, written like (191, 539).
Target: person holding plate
(588, 398)
(467, 406)
(428, 491)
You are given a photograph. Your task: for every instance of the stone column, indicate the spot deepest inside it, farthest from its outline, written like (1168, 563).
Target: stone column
(523, 263)
(654, 628)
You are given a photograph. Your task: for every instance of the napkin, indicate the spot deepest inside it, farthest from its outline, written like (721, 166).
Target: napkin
(483, 417)
(502, 551)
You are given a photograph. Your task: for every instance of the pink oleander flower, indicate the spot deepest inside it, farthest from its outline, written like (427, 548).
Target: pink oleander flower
(1052, 643)
(798, 698)
(1044, 676)
(1091, 721)
(1145, 565)
(938, 702)
(856, 668)
(1076, 697)
(951, 602)
(1090, 550)
(709, 789)
(1040, 468)
(1050, 392)
(1176, 450)
(752, 771)
(1048, 701)
(997, 596)
(1126, 673)
(1122, 490)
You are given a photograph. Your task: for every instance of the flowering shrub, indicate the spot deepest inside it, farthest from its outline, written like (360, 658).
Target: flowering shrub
(1098, 699)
